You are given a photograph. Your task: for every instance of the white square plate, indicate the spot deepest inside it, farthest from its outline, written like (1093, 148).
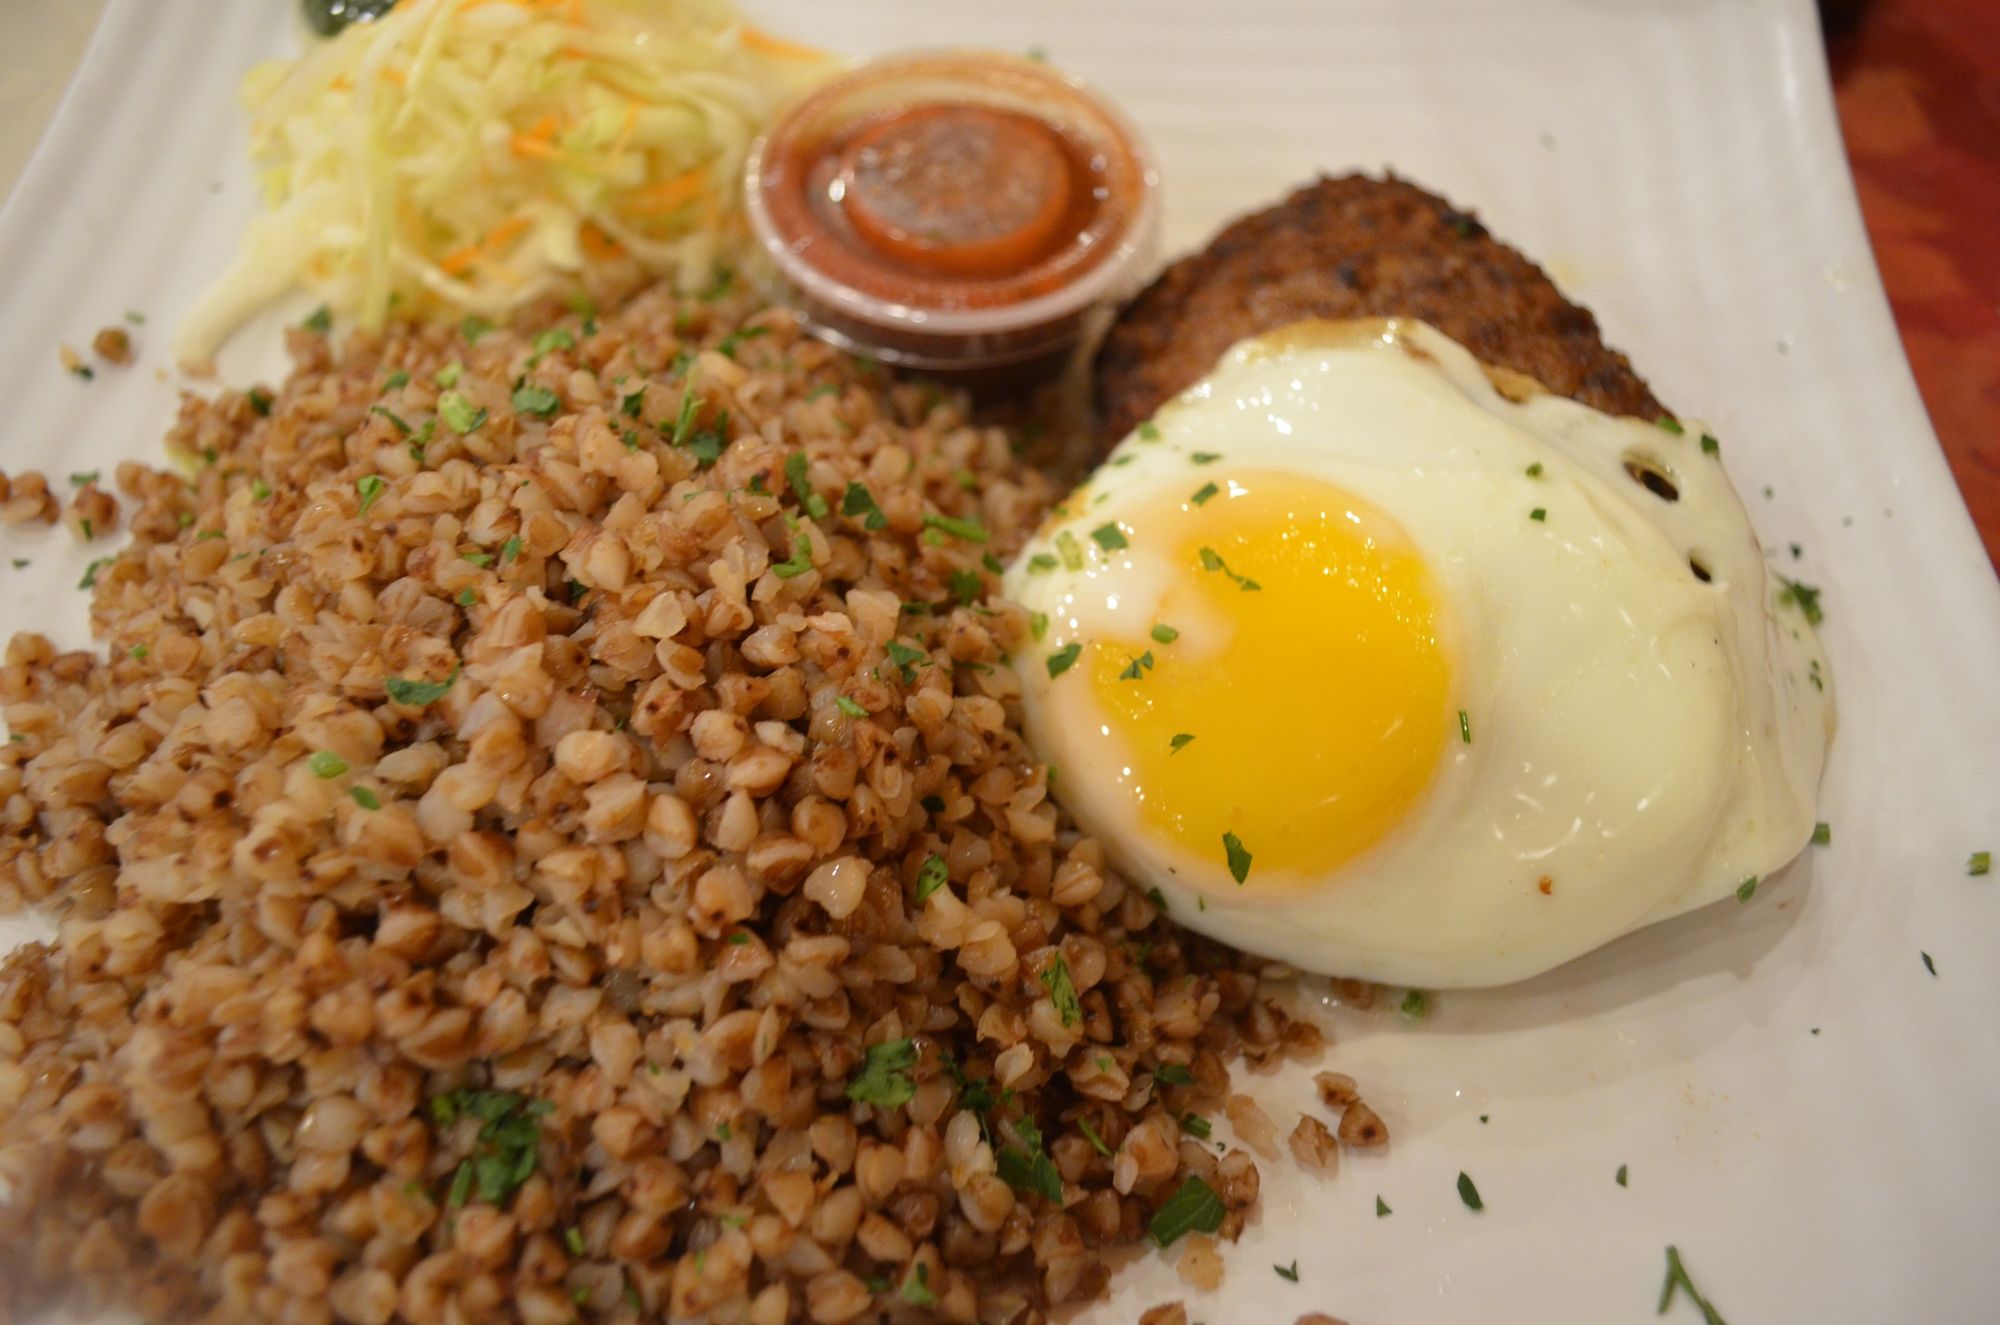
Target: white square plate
(1802, 1106)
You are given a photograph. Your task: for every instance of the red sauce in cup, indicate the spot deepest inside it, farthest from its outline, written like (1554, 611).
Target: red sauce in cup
(954, 211)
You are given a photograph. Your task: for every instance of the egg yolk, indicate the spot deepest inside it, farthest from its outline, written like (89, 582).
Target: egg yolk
(1302, 706)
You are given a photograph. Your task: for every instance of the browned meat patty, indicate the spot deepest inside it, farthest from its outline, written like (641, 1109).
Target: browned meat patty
(1356, 247)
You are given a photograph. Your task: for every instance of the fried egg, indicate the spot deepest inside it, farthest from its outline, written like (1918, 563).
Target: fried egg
(1388, 666)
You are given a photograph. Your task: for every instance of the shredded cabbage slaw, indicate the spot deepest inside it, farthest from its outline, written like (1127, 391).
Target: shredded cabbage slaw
(471, 155)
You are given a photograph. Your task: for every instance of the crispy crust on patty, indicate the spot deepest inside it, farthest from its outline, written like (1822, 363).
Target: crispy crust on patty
(1350, 247)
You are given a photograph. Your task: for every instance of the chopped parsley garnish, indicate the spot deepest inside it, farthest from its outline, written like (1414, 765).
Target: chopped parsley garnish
(448, 375)
(684, 421)
(858, 500)
(1041, 562)
(402, 425)
(1203, 493)
(1070, 551)
(466, 597)
(419, 693)
(795, 474)
(138, 653)
(422, 439)
(1138, 667)
(319, 320)
(916, 1289)
(1239, 857)
(365, 798)
(555, 338)
(1063, 659)
(396, 380)
(1929, 965)
(1671, 424)
(1620, 1178)
(1979, 862)
(1382, 1208)
(260, 401)
(1290, 1272)
(78, 480)
(259, 490)
(1804, 596)
(1535, 470)
(1055, 978)
(511, 548)
(1746, 889)
(1149, 432)
(737, 940)
(458, 413)
(1196, 1126)
(727, 345)
(1678, 1281)
(849, 707)
(905, 658)
(83, 371)
(708, 445)
(884, 1078)
(1205, 457)
(1090, 1135)
(931, 876)
(1038, 625)
(1464, 727)
(1179, 742)
(89, 580)
(1173, 1074)
(1822, 834)
(1029, 1170)
(823, 389)
(1109, 537)
(799, 562)
(966, 586)
(1469, 1193)
(969, 530)
(631, 439)
(207, 534)
(371, 487)
(1211, 560)
(1415, 1005)
(473, 328)
(536, 401)
(1165, 634)
(573, 1240)
(1540, 514)
(508, 1145)
(326, 764)
(1195, 1208)
(1710, 446)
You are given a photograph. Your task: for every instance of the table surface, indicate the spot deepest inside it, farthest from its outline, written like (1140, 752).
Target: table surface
(1917, 84)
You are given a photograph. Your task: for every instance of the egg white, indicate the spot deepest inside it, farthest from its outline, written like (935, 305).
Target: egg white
(1643, 740)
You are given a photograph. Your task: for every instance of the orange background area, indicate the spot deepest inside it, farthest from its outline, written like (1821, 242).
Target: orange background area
(1918, 87)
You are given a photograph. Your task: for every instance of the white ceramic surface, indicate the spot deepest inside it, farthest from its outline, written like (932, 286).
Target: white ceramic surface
(1803, 1108)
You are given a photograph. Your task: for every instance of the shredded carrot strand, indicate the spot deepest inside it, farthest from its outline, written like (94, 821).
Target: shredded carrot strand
(598, 244)
(764, 43)
(625, 134)
(667, 194)
(460, 260)
(523, 145)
